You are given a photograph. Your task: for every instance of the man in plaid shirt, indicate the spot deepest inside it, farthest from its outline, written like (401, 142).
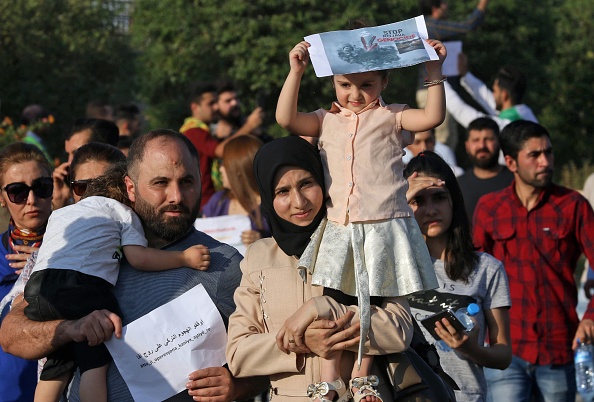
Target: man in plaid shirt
(538, 230)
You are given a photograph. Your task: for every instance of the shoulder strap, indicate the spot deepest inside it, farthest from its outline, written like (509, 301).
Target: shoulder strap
(429, 354)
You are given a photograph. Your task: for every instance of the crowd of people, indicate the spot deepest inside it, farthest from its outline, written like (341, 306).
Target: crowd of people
(349, 246)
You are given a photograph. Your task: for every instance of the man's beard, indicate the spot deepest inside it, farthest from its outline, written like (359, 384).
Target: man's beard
(168, 228)
(541, 180)
(485, 163)
(233, 117)
(498, 105)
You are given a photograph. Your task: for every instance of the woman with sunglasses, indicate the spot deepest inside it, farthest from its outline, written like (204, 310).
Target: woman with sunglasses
(26, 188)
(90, 161)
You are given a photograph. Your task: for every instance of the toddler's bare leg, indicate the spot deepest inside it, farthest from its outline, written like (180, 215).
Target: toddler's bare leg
(51, 390)
(330, 372)
(364, 371)
(93, 385)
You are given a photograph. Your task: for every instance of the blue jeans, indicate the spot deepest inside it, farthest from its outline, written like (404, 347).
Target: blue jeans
(525, 382)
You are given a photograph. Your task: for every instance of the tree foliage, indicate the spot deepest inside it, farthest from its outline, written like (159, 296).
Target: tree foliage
(247, 42)
(568, 106)
(61, 54)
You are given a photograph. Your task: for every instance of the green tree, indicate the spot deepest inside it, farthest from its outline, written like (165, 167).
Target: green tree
(61, 54)
(549, 40)
(176, 48)
(248, 42)
(567, 108)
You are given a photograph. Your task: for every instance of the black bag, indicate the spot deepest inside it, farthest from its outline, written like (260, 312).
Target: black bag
(416, 375)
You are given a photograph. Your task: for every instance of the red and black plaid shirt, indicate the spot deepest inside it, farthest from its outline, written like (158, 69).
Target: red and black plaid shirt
(539, 249)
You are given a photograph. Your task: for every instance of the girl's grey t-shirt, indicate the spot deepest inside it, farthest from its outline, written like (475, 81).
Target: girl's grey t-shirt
(488, 287)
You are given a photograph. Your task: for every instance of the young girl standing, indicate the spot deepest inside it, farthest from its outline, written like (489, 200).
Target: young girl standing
(465, 276)
(369, 245)
(76, 269)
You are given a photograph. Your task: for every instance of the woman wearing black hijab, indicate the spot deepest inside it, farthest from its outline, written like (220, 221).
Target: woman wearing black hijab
(276, 298)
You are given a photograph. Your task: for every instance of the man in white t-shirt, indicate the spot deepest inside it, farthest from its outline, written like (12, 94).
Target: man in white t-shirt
(425, 141)
(503, 104)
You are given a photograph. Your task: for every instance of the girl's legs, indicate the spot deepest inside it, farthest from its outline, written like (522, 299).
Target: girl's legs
(363, 371)
(51, 390)
(330, 372)
(93, 385)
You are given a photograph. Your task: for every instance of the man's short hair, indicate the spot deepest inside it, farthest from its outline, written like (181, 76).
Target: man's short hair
(482, 123)
(33, 113)
(98, 109)
(513, 81)
(199, 90)
(515, 134)
(103, 131)
(138, 148)
(125, 142)
(127, 111)
(225, 86)
(427, 6)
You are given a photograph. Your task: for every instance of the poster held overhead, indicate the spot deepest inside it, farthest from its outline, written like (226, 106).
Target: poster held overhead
(395, 45)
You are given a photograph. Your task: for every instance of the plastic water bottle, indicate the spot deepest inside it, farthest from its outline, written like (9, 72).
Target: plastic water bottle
(584, 371)
(464, 315)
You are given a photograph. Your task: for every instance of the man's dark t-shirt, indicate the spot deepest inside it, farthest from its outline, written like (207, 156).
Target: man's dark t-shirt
(474, 188)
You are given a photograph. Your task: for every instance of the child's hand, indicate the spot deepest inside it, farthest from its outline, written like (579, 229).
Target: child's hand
(434, 66)
(439, 48)
(197, 257)
(250, 236)
(299, 57)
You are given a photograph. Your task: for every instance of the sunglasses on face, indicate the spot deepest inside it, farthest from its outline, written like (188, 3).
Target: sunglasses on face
(80, 186)
(18, 193)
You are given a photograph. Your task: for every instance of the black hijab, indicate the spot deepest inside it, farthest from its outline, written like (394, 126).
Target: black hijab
(287, 151)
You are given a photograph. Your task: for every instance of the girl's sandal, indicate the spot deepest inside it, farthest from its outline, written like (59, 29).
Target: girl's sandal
(319, 390)
(366, 387)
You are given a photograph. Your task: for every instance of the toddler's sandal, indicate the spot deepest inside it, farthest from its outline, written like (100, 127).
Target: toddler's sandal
(319, 390)
(366, 387)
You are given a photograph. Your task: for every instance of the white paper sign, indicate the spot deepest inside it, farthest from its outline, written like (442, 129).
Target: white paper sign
(226, 229)
(396, 45)
(159, 350)
(450, 64)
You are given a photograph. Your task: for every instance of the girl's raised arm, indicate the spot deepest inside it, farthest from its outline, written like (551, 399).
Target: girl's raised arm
(432, 116)
(287, 116)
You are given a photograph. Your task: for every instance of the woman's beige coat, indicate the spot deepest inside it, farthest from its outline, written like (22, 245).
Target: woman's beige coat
(271, 291)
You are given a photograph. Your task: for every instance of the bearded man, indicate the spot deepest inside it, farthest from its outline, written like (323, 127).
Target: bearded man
(486, 174)
(163, 182)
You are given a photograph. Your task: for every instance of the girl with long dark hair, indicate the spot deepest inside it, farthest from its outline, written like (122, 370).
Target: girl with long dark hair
(464, 275)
